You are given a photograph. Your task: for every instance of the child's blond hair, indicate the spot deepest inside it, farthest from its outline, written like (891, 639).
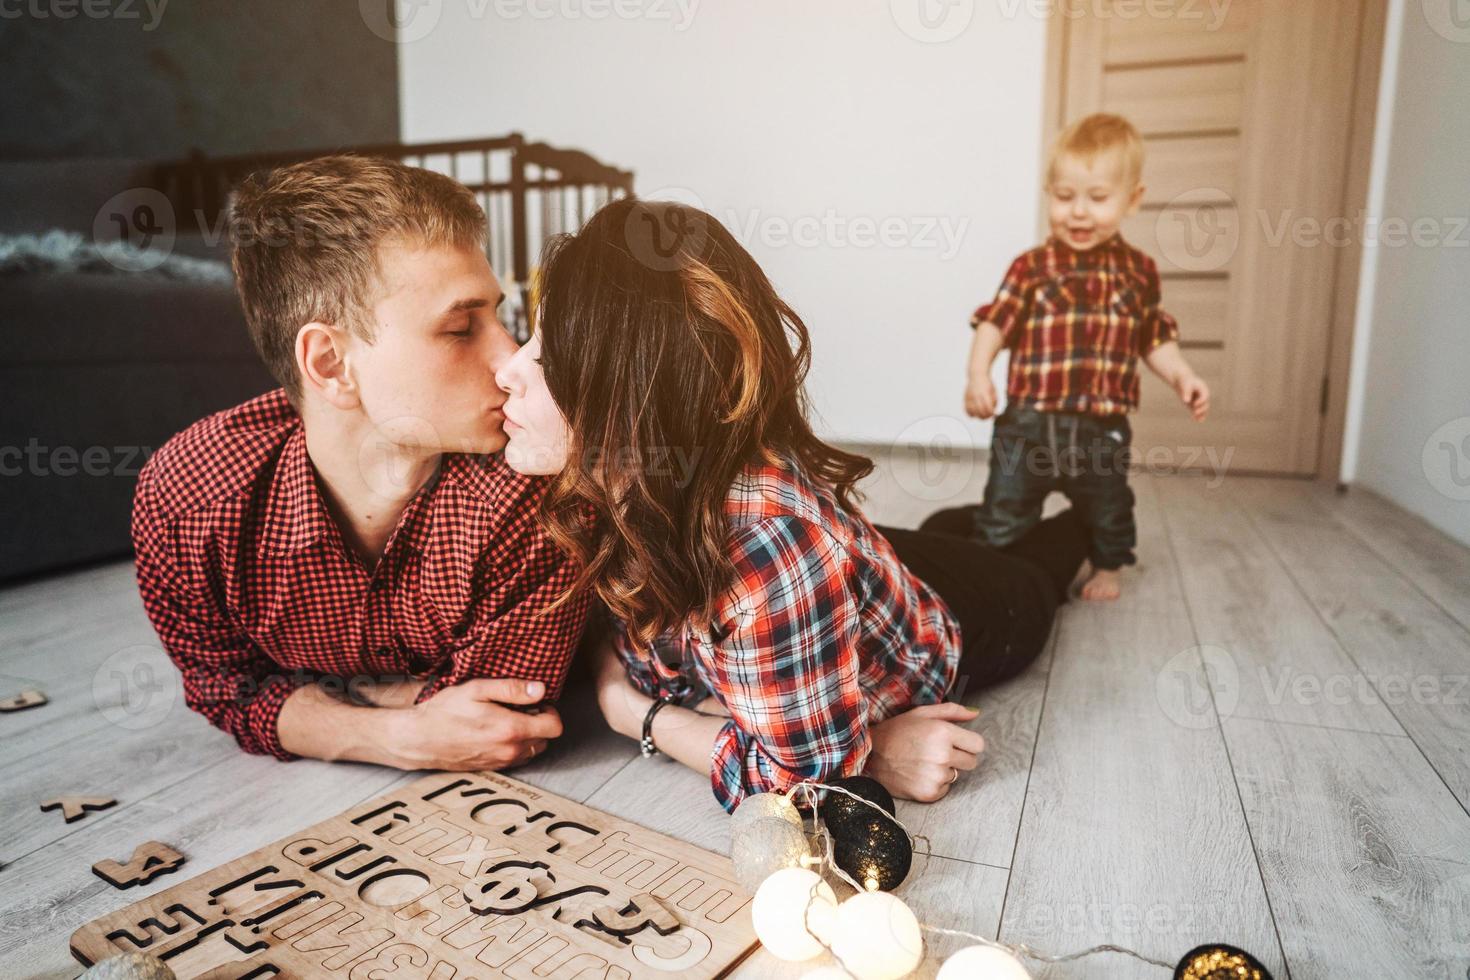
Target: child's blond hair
(1092, 136)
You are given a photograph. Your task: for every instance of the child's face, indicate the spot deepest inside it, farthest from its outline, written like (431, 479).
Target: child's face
(1090, 198)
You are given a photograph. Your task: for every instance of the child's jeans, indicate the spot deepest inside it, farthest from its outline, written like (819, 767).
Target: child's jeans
(1083, 456)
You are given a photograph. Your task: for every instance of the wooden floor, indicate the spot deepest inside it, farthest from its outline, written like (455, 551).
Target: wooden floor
(1266, 741)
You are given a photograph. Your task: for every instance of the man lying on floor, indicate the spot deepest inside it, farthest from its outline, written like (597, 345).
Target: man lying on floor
(362, 523)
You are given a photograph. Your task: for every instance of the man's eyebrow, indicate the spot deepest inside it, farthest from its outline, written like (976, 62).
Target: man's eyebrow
(460, 305)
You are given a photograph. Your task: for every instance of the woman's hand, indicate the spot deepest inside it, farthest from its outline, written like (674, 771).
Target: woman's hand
(919, 754)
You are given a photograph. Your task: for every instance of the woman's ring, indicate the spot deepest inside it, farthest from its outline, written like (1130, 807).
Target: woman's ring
(955, 776)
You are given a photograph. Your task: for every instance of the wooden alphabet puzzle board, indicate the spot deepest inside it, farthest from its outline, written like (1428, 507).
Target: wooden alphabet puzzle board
(458, 876)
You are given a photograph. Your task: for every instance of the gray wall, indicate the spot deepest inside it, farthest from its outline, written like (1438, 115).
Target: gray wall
(1415, 444)
(153, 79)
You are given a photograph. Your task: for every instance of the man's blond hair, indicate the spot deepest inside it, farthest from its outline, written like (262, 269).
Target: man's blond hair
(1095, 136)
(306, 237)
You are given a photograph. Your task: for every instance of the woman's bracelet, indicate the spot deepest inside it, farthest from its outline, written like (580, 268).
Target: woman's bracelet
(645, 744)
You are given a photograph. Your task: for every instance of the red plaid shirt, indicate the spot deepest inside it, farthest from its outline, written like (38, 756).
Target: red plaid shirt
(1076, 324)
(824, 633)
(254, 592)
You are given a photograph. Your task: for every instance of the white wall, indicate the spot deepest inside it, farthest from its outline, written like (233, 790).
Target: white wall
(1410, 440)
(790, 117)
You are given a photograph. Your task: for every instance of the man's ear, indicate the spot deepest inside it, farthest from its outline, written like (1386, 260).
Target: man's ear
(321, 350)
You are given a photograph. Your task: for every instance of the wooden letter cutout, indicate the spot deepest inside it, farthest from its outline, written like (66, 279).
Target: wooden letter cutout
(22, 701)
(74, 808)
(148, 862)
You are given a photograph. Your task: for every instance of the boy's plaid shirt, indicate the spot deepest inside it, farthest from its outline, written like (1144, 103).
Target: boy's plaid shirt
(1076, 324)
(824, 633)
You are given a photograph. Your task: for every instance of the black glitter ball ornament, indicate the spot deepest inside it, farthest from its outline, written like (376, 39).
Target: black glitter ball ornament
(877, 852)
(842, 813)
(1217, 961)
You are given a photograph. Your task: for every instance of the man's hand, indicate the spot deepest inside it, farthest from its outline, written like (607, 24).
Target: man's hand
(1195, 395)
(917, 755)
(980, 396)
(468, 727)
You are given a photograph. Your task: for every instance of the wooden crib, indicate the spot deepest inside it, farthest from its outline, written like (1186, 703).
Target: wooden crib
(530, 192)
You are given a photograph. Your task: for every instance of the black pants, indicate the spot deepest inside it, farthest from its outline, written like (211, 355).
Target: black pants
(1083, 456)
(1004, 598)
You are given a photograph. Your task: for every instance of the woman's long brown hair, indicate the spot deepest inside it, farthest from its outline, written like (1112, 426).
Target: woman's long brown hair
(676, 366)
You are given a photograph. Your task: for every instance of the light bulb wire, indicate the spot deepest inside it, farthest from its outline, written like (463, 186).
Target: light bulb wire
(808, 790)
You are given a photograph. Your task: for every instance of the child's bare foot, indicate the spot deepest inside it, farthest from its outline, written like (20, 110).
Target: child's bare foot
(1104, 585)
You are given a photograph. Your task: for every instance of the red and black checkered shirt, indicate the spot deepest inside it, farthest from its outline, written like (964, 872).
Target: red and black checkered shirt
(254, 591)
(824, 634)
(1076, 324)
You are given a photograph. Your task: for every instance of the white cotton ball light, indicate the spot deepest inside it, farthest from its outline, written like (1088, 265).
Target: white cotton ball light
(758, 806)
(877, 937)
(764, 846)
(785, 924)
(982, 963)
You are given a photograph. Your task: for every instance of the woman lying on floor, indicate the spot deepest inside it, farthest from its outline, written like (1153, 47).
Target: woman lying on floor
(794, 638)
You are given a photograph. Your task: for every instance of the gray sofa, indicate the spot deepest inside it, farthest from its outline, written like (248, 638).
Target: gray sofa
(98, 369)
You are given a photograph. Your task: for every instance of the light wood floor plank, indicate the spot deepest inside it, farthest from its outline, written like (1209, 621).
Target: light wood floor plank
(1364, 852)
(1414, 658)
(977, 820)
(219, 814)
(1268, 648)
(1133, 832)
(1431, 560)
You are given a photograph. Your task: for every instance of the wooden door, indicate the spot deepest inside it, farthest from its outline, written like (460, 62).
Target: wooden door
(1246, 108)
